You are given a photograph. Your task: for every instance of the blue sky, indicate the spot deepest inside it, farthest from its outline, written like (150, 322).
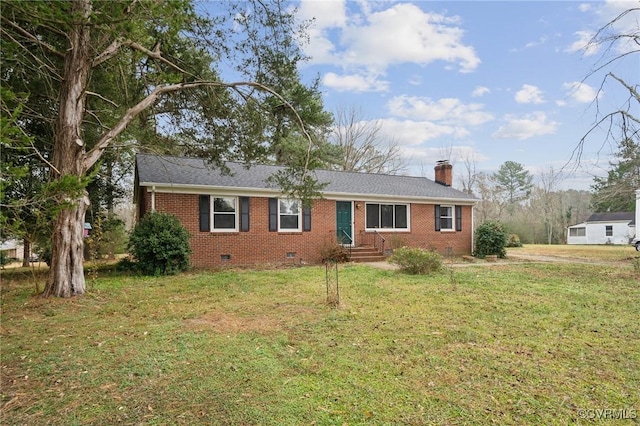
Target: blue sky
(479, 81)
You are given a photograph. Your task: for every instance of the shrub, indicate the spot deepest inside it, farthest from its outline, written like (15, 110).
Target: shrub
(4, 258)
(491, 239)
(331, 251)
(513, 240)
(414, 260)
(160, 244)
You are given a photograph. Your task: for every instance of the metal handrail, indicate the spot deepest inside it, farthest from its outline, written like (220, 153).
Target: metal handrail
(376, 237)
(350, 241)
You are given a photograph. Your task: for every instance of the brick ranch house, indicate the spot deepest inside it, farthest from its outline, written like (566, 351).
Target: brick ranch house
(238, 219)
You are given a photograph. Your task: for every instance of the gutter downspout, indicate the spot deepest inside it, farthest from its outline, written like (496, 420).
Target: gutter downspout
(153, 198)
(473, 226)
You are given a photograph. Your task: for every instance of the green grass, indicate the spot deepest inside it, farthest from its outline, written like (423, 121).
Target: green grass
(612, 253)
(502, 344)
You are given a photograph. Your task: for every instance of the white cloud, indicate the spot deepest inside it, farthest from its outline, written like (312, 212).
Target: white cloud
(583, 44)
(354, 83)
(480, 91)
(529, 95)
(580, 92)
(584, 7)
(411, 133)
(611, 14)
(353, 40)
(446, 110)
(536, 124)
(325, 13)
(542, 40)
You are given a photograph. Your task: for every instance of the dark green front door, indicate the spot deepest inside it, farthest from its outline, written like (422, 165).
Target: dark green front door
(343, 222)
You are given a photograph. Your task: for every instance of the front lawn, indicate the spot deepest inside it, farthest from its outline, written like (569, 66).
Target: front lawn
(502, 344)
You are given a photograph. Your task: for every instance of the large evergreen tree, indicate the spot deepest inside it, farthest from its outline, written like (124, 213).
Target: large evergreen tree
(616, 191)
(513, 181)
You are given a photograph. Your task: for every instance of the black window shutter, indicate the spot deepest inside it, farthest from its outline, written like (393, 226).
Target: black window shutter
(273, 214)
(437, 210)
(306, 219)
(458, 218)
(204, 213)
(244, 214)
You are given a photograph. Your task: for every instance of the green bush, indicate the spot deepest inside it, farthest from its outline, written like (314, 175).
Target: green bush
(414, 260)
(4, 258)
(513, 240)
(160, 245)
(491, 239)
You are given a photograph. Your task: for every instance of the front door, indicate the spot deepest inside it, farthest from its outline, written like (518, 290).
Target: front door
(344, 223)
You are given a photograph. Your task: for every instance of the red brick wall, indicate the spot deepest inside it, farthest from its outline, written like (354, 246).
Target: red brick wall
(260, 246)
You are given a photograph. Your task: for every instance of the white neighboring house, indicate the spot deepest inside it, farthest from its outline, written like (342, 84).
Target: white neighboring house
(606, 228)
(13, 249)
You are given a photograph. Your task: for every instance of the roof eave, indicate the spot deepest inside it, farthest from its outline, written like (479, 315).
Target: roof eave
(234, 190)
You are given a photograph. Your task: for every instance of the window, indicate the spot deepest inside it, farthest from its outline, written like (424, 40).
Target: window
(289, 215)
(448, 218)
(387, 216)
(578, 232)
(608, 231)
(224, 214)
(221, 214)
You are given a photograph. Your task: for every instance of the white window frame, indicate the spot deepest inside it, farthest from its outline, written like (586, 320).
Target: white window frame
(236, 214)
(575, 232)
(608, 230)
(393, 229)
(453, 217)
(280, 214)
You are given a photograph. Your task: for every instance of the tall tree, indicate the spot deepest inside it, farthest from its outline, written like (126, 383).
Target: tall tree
(513, 181)
(546, 204)
(164, 54)
(616, 191)
(470, 177)
(363, 147)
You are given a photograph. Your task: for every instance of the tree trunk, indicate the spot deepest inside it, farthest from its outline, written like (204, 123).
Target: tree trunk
(26, 252)
(66, 273)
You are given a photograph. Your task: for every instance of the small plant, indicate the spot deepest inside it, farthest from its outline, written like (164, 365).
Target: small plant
(513, 240)
(331, 251)
(491, 239)
(160, 244)
(414, 260)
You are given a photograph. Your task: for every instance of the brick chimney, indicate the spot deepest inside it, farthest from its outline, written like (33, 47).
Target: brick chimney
(443, 173)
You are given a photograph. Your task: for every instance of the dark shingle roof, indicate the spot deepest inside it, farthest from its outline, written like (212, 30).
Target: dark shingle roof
(195, 172)
(612, 217)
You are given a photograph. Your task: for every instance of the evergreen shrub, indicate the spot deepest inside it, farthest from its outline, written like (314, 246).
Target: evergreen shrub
(491, 239)
(160, 244)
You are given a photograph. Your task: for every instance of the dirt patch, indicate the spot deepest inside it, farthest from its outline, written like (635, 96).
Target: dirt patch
(280, 317)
